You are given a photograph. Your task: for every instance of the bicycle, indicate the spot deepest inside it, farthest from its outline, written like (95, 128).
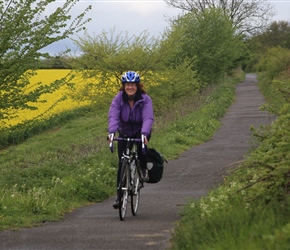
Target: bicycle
(130, 178)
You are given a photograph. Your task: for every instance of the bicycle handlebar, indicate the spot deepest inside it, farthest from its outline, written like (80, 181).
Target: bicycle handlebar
(111, 138)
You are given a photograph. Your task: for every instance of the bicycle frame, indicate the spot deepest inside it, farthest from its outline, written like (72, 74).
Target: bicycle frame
(130, 181)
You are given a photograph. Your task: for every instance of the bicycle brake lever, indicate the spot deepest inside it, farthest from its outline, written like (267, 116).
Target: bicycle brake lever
(143, 144)
(111, 138)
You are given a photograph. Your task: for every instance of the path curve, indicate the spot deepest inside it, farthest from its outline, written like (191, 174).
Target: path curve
(192, 175)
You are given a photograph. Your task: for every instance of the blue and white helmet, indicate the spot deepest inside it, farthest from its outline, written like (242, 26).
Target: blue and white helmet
(131, 76)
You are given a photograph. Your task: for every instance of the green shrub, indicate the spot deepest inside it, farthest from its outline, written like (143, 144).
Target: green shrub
(274, 62)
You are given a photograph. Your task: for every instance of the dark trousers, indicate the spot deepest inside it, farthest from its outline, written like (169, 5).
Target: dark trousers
(142, 157)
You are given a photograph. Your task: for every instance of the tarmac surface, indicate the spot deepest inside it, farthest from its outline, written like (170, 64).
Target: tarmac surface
(190, 176)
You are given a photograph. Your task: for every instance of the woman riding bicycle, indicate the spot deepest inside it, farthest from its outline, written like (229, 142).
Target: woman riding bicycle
(131, 115)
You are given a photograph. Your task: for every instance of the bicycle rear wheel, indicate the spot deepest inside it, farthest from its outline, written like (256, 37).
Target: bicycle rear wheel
(135, 190)
(123, 190)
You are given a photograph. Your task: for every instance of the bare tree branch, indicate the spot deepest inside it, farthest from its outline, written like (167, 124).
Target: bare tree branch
(247, 16)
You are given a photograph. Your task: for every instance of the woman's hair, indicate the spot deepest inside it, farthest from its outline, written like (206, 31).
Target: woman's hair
(140, 87)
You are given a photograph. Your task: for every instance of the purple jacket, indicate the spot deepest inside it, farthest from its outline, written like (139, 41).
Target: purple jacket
(129, 121)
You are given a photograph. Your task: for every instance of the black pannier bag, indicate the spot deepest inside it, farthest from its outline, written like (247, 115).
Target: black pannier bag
(155, 165)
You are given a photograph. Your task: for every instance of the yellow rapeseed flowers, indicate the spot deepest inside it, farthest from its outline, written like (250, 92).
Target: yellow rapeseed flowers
(56, 102)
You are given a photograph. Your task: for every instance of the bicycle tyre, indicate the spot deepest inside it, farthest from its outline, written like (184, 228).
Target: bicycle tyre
(135, 191)
(123, 190)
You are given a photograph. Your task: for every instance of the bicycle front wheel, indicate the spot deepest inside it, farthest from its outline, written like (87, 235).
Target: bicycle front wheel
(135, 190)
(123, 189)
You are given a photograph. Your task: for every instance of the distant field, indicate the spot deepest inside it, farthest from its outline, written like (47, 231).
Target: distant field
(56, 102)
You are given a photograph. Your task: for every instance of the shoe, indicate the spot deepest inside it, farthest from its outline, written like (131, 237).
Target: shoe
(144, 174)
(116, 203)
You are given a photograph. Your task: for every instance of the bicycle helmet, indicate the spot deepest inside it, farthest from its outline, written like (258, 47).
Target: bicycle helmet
(131, 76)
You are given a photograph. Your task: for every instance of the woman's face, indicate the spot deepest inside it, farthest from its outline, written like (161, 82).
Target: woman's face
(130, 88)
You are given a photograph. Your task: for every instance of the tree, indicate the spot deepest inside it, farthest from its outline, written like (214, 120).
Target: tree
(108, 55)
(276, 34)
(247, 15)
(25, 29)
(56, 62)
(210, 40)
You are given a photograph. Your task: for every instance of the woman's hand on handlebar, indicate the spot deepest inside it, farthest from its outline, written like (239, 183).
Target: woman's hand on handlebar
(110, 138)
(145, 140)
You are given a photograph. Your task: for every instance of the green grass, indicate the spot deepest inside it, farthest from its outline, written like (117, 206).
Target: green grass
(227, 220)
(232, 226)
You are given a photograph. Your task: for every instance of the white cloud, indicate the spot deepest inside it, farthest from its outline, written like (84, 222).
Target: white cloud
(136, 16)
(131, 16)
(143, 9)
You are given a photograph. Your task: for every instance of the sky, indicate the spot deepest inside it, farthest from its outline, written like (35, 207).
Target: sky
(135, 17)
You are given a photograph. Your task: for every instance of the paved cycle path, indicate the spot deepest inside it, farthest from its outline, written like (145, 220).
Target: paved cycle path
(192, 175)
